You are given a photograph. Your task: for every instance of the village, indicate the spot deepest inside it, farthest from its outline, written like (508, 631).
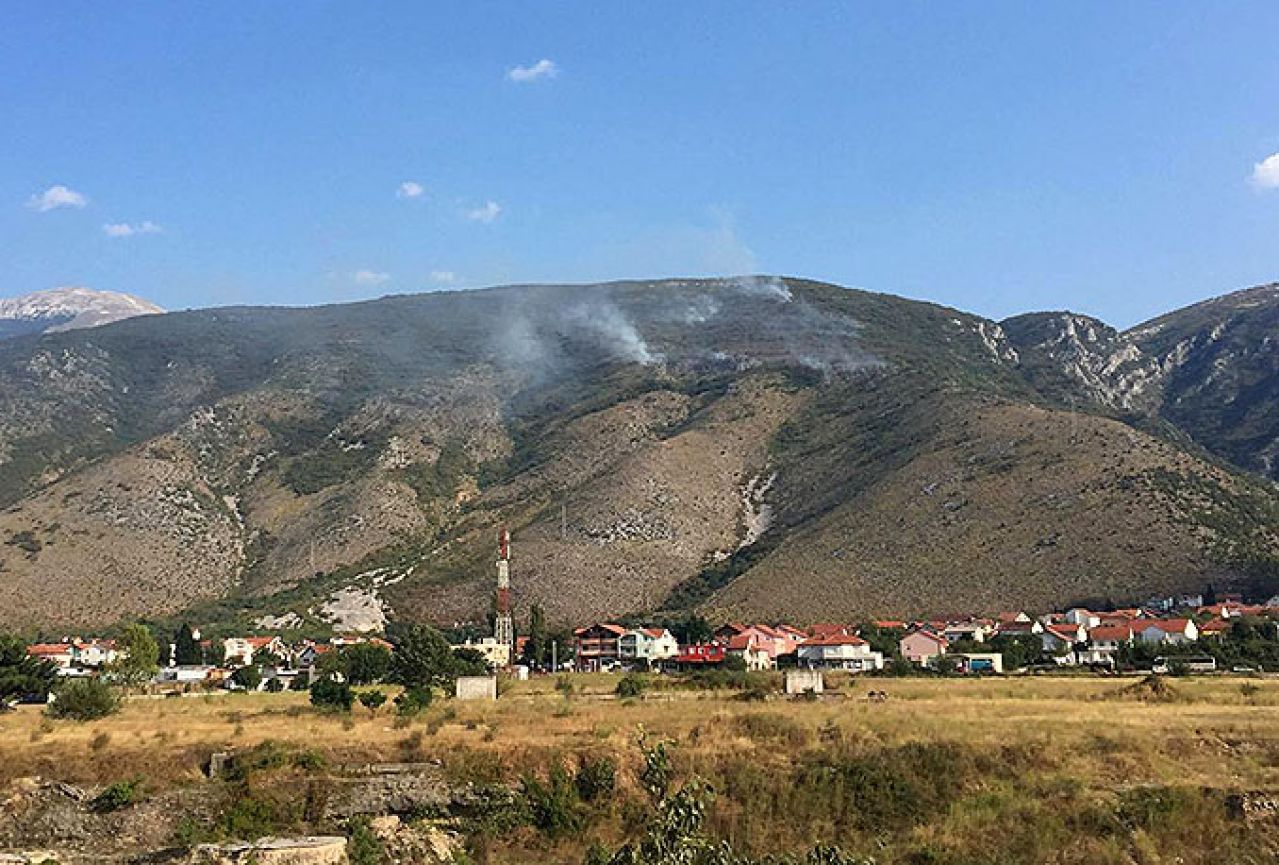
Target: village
(1167, 635)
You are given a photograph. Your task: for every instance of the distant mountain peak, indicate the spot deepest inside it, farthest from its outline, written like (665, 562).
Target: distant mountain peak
(68, 308)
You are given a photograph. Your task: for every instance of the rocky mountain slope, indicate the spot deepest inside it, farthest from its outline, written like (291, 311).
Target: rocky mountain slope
(759, 447)
(68, 309)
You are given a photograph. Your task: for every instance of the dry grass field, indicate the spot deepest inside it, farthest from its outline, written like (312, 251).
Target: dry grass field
(1053, 769)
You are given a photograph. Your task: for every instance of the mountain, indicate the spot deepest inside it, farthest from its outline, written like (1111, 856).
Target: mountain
(68, 309)
(758, 447)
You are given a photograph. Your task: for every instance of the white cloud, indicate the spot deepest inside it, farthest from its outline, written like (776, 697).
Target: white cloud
(486, 213)
(410, 189)
(55, 197)
(124, 229)
(1265, 174)
(443, 277)
(371, 277)
(541, 69)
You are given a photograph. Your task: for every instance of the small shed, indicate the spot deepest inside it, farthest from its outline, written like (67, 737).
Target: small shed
(476, 688)
(805, 682)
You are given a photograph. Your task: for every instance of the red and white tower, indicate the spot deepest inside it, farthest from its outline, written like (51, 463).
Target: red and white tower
(503, 626)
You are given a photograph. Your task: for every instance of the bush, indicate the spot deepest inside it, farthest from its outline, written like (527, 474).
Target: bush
(553, 807)
(413, 701)
(595, 779)
(119, 795)
(248, 678)
(363, 847)
(372, 700)
(274, 685)
(631, 685)
(332, 695)
(84, 700)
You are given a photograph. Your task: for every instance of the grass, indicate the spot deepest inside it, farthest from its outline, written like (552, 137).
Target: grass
(1053, 769)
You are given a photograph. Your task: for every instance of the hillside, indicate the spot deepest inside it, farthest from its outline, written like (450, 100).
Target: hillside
(755, 446)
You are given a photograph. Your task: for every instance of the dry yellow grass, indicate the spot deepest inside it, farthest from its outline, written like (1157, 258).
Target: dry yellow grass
(1217, 735)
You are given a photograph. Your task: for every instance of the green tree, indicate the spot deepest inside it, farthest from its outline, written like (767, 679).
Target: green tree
(22, 676)
(84, 700)
(365, 663)
(331, 694)
(247, 677)
(186, 651)
(139, 656)
(422, 657)
(537, 649)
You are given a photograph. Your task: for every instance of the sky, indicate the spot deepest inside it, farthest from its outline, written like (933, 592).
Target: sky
(1109, 158)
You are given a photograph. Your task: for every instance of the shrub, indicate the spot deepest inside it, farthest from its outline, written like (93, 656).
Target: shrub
(332, 695)
(84, 700)
(413, 701)
(363, 847)
(248, 678)
(554, 806)
(631, 685)
(274, 685)
(119, 795)
(372, 700)
(595, 779)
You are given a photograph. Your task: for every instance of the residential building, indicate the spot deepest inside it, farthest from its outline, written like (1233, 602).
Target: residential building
(1059, 640)
(1103, 642)
(694, 656)
(954, 632)
(1170, 631)
(597, 647)
(922, 646)
(1081, 616)
(61, 655)
(646, 646)
(839, 652)
(748, 648)
(241, 651)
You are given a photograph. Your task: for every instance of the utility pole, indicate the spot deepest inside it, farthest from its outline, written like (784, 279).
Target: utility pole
(563, 522)
(555, 667)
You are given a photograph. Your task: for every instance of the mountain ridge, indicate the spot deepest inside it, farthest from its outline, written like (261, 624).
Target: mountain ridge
(254, 461)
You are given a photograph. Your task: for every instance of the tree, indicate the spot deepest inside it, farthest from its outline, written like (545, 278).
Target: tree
(537, 648)
(139, 656)
(422, 657)
(84, 700)
(365, 663)
(23, 677)
(186, 651)
(331, 694)
(469, 662)
(248, 677)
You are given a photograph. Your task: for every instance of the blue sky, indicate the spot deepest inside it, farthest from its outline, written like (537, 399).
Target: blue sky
(998, 157)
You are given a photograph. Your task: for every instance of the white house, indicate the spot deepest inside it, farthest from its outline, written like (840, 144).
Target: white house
(1171, 631)
(839, 652)
(1081, 616)
(1059, 640)
(647, 645)
(1103, 642)
(970, 630)
(752, 652)
(240, 651)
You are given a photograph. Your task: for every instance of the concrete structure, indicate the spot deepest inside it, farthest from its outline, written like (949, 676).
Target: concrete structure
(839, 652)
(805, 682)
(921, 647)
(316, 850)
(476, 688)
(644, 646)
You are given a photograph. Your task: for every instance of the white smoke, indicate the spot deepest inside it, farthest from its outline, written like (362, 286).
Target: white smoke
(763, 286)
(613, 332)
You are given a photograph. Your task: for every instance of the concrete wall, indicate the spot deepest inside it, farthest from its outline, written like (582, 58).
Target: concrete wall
(477, 688)
(803, 681)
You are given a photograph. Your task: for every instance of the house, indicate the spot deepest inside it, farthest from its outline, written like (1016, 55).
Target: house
(309, 655)
(1013, 618)
(186, 674)
(597, 647)
(839, 652)
(61, 655)
(1059, 641)
(647, 646)
(748, 648)
(695, 656)
(240, 651)
(1171, 631)
(954, 632)
(1081, 616)
(1103, 642)
(496, 655)
(829, 629)
(1214, 628)
(922, 646)
(1018, 628)
(775, 641)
